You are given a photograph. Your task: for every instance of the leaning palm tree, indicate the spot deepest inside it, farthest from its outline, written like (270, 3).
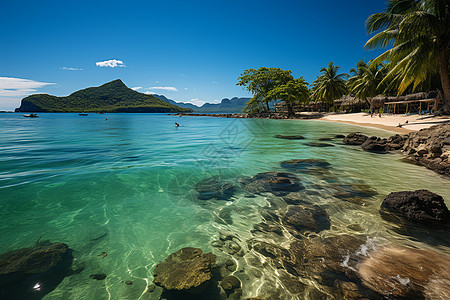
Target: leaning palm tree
(366, 80)
(419, 32)
(330, 85)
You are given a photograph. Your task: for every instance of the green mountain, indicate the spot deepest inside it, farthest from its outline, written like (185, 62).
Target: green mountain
(113, 96)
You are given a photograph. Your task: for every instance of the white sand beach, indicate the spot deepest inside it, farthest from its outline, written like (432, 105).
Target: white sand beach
(388, 121)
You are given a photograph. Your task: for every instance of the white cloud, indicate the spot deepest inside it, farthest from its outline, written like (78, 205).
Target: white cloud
(196, 101)
(214, 82)
(149, 93)
(167, 88)
(71, 69)
(18, 87)
(112, 63)
(136, 88)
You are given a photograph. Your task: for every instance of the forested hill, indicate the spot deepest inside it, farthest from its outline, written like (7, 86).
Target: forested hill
(113, 96)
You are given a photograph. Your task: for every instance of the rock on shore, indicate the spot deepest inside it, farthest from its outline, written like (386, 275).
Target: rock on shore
(431, 147)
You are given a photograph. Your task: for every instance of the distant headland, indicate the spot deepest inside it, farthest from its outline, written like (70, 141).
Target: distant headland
(111, 97)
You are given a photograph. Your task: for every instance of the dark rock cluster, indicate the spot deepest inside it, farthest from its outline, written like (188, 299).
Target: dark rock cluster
(421, 206)
(430, 147)
(374, 143)
(31, 273)
(277, 183)
(214, 187)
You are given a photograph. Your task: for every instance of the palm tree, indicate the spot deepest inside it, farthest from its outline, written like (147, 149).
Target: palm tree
(419, 32)
(366, 80)
(330, 85)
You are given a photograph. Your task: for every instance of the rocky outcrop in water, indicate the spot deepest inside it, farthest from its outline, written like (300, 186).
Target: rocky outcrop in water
(214, 187)
(355, 139)
(277, 183)
(374, 143)
(398, 272)
(377, 144)
(31, 273)
(430, 147)
(185, 269)
(421, 206)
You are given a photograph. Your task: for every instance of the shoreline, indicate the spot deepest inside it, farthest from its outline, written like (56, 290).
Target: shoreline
(372, 125)
(397, 123)
(402, 124)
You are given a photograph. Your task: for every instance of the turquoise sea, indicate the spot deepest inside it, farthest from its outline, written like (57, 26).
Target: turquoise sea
(126, 186)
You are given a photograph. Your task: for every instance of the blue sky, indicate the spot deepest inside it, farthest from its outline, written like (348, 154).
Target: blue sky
(190, 51)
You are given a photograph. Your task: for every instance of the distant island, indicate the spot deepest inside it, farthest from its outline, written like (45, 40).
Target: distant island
(233, 105)
(111, 97)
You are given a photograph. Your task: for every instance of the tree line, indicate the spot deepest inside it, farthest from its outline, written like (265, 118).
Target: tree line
(417, 35)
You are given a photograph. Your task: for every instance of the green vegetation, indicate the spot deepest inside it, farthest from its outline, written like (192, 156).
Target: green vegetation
(330, 85)
(367, 80)
(266, 84)
(419, 32)
(292, 92)
(113, 96)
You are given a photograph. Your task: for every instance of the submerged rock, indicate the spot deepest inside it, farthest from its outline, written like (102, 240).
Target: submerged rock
(316, 144)
(31, 273)
(421, 206)
(214, 187)
(230, 283)
(400, 272)
(277, 183)
(290, 137)
(354, 193)
(185, 269)
(99, 276)
(312, 218)
(355, 139)
(304, 164)
(317, 256)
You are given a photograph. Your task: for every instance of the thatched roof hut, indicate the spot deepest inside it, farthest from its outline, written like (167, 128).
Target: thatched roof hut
(351, 101)
(416, 96)
(378, 101)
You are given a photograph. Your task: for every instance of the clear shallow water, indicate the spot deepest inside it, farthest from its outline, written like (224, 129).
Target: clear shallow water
(126, 186)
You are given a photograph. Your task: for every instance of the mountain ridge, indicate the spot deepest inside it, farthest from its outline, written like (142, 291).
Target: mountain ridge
(233, 105)
(113, 96)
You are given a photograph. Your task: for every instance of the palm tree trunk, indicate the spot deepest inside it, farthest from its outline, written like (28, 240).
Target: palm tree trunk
(445, 81)
(267, 105)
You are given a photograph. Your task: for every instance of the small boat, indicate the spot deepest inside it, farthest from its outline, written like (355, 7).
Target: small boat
(31, 116)
(83, 114)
